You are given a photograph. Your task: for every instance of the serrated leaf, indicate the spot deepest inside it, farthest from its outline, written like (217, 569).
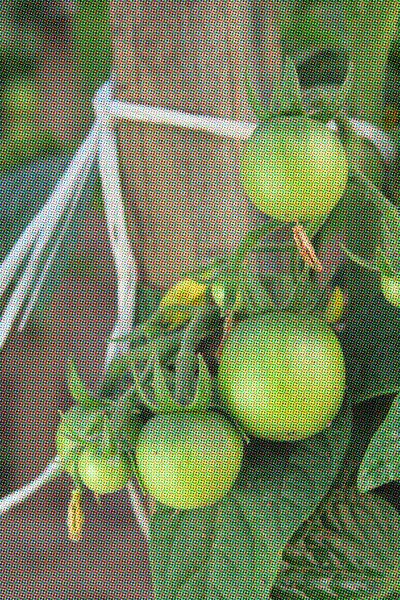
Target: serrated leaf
(287, 97)
(349, 549)
(381, 463)
(232, 549)
(78, 390)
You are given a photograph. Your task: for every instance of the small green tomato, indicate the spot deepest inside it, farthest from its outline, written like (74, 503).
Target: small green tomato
(282, 376)
(188, 460)
(294, 168)
(103, 472)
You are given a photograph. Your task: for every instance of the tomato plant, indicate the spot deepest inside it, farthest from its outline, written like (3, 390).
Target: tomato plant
(187, 461)
(294, 168)
(282, 376)
(256, 415)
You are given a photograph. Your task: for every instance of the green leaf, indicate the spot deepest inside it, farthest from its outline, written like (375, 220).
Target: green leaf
(348, 550)
(390, 220)
(259, 109)
(361, 262)
(164, 400)
(381, 463)
(367, 418)
(287, 97)
(371, 345)
(231, 550)
(204, 389)
(78, 390)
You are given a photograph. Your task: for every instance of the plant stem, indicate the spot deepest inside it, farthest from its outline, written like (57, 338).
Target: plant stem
(372, 26)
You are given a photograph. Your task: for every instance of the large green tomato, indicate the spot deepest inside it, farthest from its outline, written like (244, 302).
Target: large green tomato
(294, 168)
(282, 376)
(188, 460)
(391, 290)
(103, 473)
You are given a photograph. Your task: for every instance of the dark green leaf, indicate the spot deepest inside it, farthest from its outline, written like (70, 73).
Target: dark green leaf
(371, 345)
(163, 397)
(78, 390)
(381, 463)
(349, 549)
(231, 550)
(361, 262)
(204, 389)
(367, 417)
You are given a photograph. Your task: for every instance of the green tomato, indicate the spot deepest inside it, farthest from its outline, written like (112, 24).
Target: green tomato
(390, 287)
(188, 460)
(282, 376)
(103, 473)
(294, 168)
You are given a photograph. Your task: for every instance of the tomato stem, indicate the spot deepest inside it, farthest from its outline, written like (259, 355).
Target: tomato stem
(306, 248)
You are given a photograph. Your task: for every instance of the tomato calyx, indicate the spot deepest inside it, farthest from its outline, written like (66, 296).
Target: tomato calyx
(160, 398)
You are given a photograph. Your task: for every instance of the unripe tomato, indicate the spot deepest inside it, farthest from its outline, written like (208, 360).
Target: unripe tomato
(391, 290)
(103, 473)
(186, 292)
(188, 460)
(294, 168)
(282, 376)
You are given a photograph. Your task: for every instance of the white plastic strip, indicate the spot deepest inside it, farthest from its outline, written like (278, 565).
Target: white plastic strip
(124, 259)
(51, 471)
(50, 219)
(239, 130)
(34, 294)
(56, 202)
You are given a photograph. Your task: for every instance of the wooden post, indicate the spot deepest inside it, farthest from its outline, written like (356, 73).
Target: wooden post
(183, 191)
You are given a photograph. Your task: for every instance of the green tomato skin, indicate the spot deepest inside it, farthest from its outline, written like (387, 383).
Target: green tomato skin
(103, 473)
(294, 168)
(282, 376)
(391, 290)
(187, 461)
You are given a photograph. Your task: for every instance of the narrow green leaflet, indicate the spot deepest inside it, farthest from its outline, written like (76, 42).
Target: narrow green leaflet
(78, 390)
(381, 463)
(255, 102)
(348, 550)
(232, 550)
(287, 97)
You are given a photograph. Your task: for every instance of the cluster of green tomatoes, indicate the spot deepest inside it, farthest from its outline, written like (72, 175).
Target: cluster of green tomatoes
(279, 376)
